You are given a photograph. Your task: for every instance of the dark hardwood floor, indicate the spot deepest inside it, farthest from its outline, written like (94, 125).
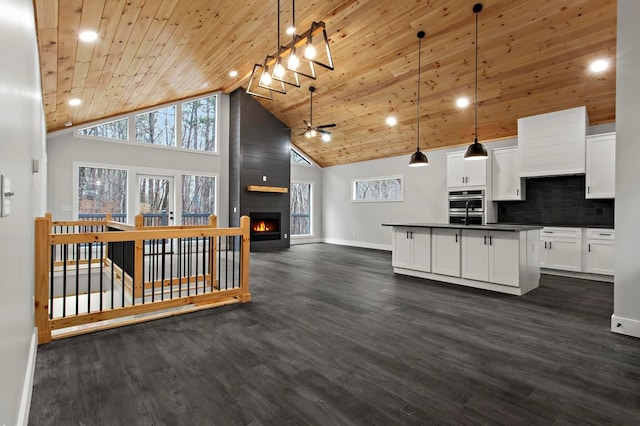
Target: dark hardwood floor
(332, 336)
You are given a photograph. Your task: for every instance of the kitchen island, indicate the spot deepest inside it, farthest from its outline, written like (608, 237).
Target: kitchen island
(503, 258)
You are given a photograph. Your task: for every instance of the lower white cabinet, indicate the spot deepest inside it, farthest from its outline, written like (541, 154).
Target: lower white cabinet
(598, 250)
(561, 248)
(491, 256)
(445, 251)
(412, 248)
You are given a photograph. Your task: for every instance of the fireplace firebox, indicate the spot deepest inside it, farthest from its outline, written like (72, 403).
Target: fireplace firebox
(265, 226)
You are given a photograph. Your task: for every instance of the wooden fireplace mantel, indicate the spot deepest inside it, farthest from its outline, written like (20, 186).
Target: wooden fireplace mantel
(258, 188)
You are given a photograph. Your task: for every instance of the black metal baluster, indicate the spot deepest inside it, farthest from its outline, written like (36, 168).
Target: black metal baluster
(65, 254)
(77, 278)
(101, 270)
(219, 262)
(179, 267)
(133, 288)
(189, 266)
(171, 269)
(89, 278)
(163, 268)
(205, 266)
(196, 261)
(51, 283)
(155, 269)
(113, 275)
(226, 264)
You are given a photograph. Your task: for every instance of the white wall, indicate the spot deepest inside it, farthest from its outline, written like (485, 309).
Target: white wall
(22, 128)
(626, 306)
(310, 174)
(359, 223)
(63, 149)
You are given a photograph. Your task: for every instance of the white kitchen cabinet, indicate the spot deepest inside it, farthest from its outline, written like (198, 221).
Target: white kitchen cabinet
(445, 251)
(462, 173)
(561, 248)
(599, 246)
(412, 248)
(554, 143)
(601, 166)
(506, 183)
(491, 256)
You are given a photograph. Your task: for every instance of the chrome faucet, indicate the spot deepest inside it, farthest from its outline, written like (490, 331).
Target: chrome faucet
(466, 211)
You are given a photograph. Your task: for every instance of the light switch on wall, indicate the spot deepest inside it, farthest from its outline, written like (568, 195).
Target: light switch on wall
(5, 196)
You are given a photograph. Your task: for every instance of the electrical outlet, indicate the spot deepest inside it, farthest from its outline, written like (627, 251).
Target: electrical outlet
(598, 211)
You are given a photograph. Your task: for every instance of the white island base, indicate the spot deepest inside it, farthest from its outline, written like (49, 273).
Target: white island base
(502, 258)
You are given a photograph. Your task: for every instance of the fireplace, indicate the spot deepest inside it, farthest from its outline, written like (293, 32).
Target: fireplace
(265, 226)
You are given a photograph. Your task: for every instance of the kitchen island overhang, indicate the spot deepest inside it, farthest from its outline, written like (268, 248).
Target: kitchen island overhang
(502, 258)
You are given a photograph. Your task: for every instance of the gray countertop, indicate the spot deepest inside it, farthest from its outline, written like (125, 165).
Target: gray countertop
(487, 227)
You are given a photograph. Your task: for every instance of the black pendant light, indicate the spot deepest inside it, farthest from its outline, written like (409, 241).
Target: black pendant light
(418, 158)
(476, 150)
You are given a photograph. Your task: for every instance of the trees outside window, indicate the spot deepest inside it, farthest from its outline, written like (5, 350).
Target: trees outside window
(198, 199)
(378, 189)
(157, 127)
(118, 129)
(102, 190)
(300, 208)
(199, 124)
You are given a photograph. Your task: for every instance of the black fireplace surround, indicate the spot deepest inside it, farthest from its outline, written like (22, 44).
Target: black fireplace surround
(265, 226)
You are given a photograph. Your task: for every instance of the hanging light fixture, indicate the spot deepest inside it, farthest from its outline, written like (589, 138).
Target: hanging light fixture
(476, 150)
(303, 67)
(280, 72)
(418, 158)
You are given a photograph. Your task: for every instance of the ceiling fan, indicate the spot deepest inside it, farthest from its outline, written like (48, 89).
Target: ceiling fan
(310, 129)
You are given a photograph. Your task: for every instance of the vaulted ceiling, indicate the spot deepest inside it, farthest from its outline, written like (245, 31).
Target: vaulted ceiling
(533, 58)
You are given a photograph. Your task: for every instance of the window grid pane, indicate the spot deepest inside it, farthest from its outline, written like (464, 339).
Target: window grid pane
(198, 199)
(199, 124)
(157, 127)
(388, 189)
(300, 208)
(102, 190)
(113, 130)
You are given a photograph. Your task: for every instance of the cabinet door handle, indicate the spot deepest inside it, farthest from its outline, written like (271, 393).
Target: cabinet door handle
(545, 245)
(456, 238)
(549, 244)
(462, 179)
(490, 240)
(485, 240)
(407, 235)
(588, 189)
(411, 234)
(604, 235)
(517, 191)
(589, 247)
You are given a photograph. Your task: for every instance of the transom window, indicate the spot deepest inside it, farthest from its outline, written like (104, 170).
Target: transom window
(387, 188)
(186, 125)
(296, 158)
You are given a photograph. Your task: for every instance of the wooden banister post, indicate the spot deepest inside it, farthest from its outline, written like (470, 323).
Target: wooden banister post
(41, 291)
(138, 221)
(213, 253)
(49, 216)
(107, 217)
(245, 224)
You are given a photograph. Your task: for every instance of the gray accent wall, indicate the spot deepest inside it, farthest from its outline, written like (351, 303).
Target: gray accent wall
(626, 303)
(260, 155)
(23, 139)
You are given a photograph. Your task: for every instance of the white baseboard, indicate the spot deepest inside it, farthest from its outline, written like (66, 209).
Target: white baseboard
(295, 241)
(386, 247)
(27, 388)
(626, 326)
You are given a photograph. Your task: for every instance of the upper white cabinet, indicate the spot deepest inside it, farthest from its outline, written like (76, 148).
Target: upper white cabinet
(601, 166)
(506, 183)
(463, 173)
(554, 143)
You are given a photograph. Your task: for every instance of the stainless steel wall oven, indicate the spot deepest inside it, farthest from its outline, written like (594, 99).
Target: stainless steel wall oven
(466, 207)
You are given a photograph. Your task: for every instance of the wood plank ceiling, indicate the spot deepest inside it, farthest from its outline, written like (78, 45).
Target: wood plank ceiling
(533, 58)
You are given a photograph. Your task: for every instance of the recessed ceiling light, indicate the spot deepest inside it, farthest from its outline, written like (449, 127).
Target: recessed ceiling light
(88, 36)
(462, 102)
(599, 65)
(391, 121)
(233, 73)
(74, 102)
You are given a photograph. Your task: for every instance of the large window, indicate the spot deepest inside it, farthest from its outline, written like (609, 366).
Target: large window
(300, 208)
(157, 127)
(198, 199)
(100, 191)
(387, 188)
(118, 129)
(199, 124)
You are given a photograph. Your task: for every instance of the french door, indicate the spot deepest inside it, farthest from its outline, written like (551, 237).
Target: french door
(156, 199)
